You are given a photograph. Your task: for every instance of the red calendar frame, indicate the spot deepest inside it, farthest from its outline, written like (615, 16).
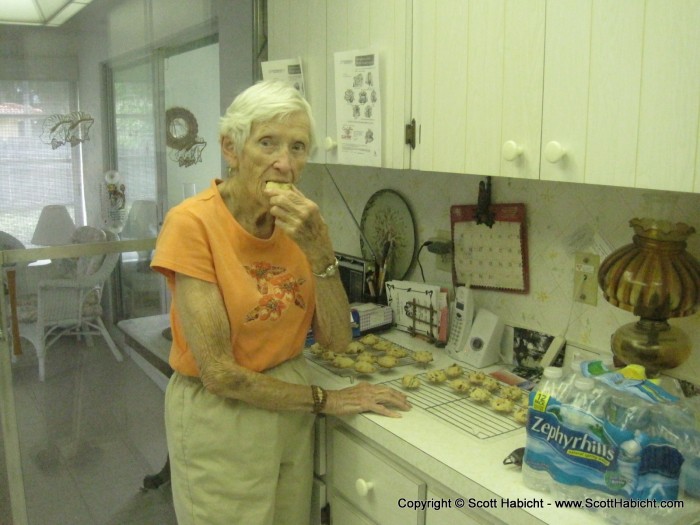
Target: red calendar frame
(515, 279)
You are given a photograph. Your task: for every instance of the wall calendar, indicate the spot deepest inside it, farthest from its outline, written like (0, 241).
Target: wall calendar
(490, 257)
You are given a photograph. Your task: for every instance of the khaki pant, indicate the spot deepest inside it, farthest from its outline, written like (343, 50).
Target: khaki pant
(232, 463)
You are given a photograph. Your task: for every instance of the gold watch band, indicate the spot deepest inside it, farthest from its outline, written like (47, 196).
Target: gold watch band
(319, 396)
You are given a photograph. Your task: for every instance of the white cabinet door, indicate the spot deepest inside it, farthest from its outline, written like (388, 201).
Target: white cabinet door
(565, 90)
(316, 29)
(669, 113)
(523, 64)
(477, 86)
(344, 514)
(371, 482)
(621, 86)
(297, 28)
(384, 27)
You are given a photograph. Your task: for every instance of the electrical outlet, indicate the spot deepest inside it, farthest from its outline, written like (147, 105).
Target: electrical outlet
(586, 278)
(443, 262)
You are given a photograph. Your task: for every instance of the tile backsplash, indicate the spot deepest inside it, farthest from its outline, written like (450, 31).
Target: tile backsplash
(561, 219)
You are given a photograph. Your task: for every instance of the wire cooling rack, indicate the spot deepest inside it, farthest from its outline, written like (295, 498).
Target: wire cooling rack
(440, 400)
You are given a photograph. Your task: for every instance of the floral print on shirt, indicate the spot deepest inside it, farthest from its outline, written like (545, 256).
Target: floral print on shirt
(278, 289)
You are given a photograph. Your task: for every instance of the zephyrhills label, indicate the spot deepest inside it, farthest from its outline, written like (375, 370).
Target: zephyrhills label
(570, 442)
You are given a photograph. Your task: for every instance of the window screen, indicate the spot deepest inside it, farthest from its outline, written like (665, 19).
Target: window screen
(38, 163)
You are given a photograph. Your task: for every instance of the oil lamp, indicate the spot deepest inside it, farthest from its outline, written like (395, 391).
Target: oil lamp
(655, 278)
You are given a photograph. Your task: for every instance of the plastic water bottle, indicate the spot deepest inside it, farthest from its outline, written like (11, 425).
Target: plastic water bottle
(628, 464)
(570, 376)
(550, 386)
(582, 401)
(585, 397)
(625, 412)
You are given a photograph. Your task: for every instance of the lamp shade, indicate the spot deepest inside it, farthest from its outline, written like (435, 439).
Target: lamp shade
(55, 226)
(142, 221)
(653, 277)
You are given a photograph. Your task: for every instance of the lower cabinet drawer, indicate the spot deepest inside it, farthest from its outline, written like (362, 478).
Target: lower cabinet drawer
(344, 514)
(447, 515)
(372, 483)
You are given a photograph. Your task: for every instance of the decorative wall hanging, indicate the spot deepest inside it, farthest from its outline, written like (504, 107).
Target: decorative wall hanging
(72, 128)
(388, 236)
(181, 137)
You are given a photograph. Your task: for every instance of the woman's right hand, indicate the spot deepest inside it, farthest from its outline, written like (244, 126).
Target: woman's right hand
(365, 397)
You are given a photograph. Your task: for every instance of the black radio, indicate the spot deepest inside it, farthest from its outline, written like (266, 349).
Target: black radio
(354, 273)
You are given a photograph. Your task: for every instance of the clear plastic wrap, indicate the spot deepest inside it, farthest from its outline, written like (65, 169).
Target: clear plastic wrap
(621, 446)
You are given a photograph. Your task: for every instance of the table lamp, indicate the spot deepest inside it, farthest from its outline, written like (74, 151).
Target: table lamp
(655, 278)
(141, 223)
(55, 226)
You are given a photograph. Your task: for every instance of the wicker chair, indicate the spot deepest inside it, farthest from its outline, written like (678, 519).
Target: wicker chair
(70, 305)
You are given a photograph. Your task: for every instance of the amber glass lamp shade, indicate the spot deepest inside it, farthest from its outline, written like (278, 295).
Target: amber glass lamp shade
(655, 278)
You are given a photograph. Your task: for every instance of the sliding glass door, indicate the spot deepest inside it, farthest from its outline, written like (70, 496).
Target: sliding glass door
(83, 435)
(133, 190)
(165, 148)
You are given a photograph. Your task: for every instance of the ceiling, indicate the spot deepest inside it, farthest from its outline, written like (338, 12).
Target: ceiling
(51, 13)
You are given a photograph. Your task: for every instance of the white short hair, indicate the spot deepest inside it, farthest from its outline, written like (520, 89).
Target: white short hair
(262, 102)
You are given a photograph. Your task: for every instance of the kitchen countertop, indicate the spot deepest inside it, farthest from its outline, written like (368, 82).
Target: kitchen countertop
(468, 466)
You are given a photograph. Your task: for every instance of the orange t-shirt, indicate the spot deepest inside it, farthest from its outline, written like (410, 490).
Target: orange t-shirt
(266, 284)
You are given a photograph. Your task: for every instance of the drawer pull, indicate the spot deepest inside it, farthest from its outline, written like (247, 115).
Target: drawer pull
(363, 487)
(329, 144)
(511, 150)
(554, 152)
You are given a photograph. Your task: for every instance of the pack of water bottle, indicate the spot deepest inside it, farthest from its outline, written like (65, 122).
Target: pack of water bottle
(596, 432)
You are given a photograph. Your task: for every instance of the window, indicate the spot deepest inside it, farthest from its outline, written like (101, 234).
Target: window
(135, 131)
(40, 153)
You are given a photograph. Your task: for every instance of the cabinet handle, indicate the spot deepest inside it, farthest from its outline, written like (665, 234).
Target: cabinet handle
(329, 143)
(554, 152)
(511, 150)
(363, 487)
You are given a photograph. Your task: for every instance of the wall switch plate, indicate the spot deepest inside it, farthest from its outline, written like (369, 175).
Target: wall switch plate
(586, 267)
(443, 262)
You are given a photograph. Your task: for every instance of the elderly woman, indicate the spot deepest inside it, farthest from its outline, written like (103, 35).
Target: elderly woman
(251, 267)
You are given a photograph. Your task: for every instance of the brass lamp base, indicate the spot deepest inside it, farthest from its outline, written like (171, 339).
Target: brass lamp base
(654, 344)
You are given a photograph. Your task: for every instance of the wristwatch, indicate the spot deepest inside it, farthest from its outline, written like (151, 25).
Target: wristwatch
(330, 270)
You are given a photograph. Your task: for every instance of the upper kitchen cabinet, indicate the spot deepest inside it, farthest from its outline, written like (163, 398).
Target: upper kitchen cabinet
(297, 28)
(621, 100)
(316, 29)
(477, 86)
(589, 91)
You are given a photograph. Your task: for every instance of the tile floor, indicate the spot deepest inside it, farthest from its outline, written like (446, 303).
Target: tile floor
(88, 436)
